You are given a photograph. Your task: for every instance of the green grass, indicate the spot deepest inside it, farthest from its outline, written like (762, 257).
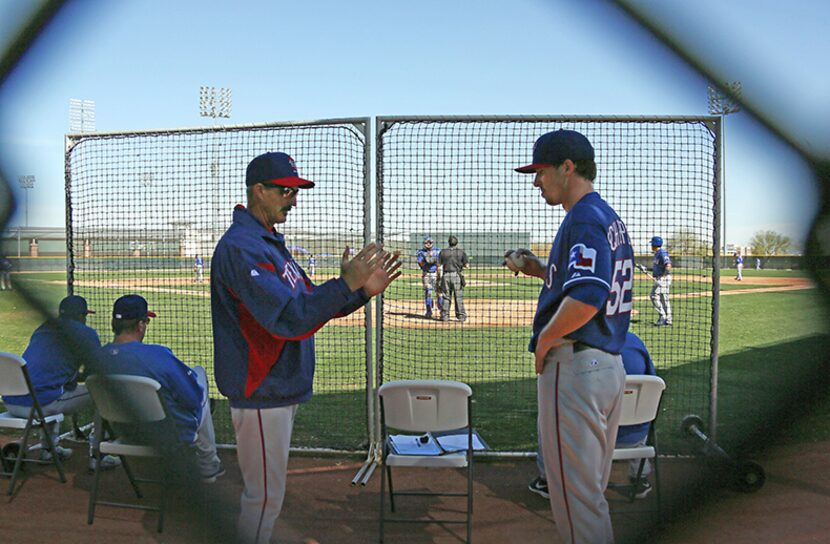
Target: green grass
(768, 341)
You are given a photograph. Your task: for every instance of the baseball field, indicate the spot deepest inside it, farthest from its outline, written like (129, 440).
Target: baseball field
(772, 331)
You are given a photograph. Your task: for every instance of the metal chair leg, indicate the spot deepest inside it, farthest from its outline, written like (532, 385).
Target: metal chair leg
(93, 494)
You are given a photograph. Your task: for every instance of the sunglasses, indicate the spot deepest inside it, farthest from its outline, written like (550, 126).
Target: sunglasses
(286, 191)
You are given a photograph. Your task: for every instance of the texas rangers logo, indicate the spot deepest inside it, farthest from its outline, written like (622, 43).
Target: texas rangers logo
(582, 257)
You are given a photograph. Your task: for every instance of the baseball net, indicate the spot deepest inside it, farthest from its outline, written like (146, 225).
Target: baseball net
(142, 206)
(443, 176)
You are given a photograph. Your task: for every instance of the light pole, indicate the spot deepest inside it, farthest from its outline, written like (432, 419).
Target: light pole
(723, 103)
(215, 102)
(26, 183)
(81, 115)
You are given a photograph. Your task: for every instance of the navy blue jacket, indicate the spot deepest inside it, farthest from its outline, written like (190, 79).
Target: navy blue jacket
(265, 311)
(56, 352)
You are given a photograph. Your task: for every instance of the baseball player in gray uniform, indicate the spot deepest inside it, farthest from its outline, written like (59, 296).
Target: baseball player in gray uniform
(579, 330)
(661, 273)
(453, 261)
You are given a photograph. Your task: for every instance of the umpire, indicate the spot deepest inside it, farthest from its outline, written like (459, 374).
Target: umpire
(453, 260)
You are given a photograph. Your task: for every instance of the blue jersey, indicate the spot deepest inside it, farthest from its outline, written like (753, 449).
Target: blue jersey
(739, 259)
(56, 352)
(661, 259)
(428, 259)
(636, 360)
(591, 261)
(180, 390)
(199, 261)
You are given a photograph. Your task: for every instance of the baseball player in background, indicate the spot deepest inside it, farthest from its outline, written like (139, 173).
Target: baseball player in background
(184, 389)
(198, 269)
(427, 259)
(581, 321)
(661, 273)
(739, 265)
(312, 265)
(5, 274)
(453, 261)
(265, 312)
(636, 360)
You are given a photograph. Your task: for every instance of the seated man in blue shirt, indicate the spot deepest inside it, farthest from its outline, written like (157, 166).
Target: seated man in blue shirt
(636, 360)
(56, 352)
(183, 389)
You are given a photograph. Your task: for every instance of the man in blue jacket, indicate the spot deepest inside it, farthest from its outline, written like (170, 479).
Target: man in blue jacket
(57, 351)
(184, 389)
(265, 312)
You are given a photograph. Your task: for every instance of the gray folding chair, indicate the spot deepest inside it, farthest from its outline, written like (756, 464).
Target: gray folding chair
(15, 380)
(423, 406)
(641, 404)
(129, 401)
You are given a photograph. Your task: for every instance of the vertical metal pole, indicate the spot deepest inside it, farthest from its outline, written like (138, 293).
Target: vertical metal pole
(717, 129)
(70, 246)
(379, 227)
(723, 175)
(367, 238)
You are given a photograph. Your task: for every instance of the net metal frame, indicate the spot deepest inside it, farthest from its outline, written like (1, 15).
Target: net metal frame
(140, 205)
(447, 154)
(428, 170)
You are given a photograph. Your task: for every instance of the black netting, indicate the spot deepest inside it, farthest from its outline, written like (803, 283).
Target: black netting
(455, 176)
(143, 206)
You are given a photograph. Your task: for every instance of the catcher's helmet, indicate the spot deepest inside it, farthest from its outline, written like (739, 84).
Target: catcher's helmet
(656, 242)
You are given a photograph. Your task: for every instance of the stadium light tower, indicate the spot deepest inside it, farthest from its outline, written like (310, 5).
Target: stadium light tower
(26, 183)
(215, 102)
(81, 115)
(723, 103)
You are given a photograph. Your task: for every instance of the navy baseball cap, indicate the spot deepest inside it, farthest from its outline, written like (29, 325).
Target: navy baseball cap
(275, 168)
(554, 147)
(428, 239)
(656, 242)
(131, 307)
(74, 305)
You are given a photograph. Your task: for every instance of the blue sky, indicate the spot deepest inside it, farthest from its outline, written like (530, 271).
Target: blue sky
(143, 63)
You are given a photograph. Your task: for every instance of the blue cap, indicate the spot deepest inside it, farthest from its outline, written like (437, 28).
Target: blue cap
(554, 147)
(131, 307)
(656, 242)
(428, 239)
(275, 168)
(73, 306)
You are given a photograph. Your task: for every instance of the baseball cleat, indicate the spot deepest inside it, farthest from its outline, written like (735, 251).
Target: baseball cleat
(660, 322)
(540, 487)
(211, 478)
(641, 488)
(107, 462)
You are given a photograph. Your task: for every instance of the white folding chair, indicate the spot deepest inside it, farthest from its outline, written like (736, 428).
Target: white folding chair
(641, 404)
(423, 406)
(130, 400)
(15, 380)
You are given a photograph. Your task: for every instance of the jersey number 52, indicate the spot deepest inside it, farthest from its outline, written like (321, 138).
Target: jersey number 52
(622, 282)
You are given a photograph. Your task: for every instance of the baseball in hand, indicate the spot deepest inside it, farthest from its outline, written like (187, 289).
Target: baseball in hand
(515, 261)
